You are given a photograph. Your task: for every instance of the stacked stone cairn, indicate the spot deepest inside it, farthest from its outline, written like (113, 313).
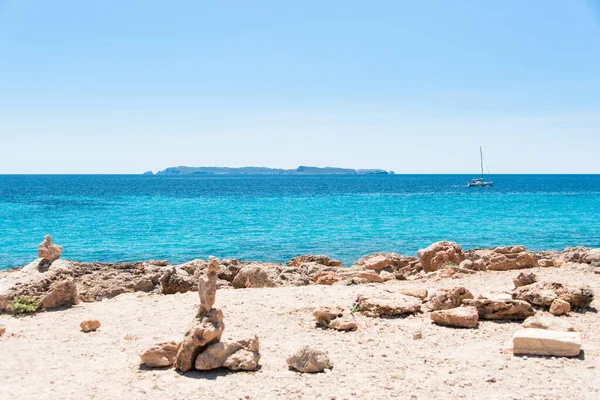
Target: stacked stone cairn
(201, 348)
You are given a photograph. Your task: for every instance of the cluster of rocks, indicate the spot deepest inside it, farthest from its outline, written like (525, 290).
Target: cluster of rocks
(202, 348)
(54, 282)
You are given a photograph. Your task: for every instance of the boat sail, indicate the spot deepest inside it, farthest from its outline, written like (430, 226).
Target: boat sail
(480, 182)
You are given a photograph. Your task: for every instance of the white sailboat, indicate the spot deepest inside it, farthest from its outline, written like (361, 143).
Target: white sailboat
(480, 182)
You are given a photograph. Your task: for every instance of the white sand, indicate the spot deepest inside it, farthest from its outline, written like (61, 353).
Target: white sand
(46, 356)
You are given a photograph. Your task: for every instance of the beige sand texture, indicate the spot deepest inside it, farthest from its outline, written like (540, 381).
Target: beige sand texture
(46, 356)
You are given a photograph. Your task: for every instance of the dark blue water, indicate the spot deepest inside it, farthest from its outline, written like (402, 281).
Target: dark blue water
(273, 218)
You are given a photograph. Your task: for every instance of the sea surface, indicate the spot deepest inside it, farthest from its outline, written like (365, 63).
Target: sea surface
(274, 218)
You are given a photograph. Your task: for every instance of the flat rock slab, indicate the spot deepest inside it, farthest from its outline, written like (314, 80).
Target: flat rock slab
(388, 304)
(501, 309)
(546, 343)
(460, 317)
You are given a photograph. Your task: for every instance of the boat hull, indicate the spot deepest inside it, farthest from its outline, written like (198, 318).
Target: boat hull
(480, 184)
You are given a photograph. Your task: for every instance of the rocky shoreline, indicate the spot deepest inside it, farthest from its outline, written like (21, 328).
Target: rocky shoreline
(449, 323)
(55, 282)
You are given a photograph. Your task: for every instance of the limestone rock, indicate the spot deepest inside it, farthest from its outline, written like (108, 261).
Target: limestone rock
(547, 343)
(252, 276)
(293, 276)
(524, 279)
(2, 330)
(335, 263)
(207, 329)
(319, 259)
(328, 278)
(309, 360)
(559, 307)
(501, 309)
(207, 287)
(549, 323)
(160, 355)
(51, 285)
(60, 293)
(49, 251)
(439, 255)
(461, 317)
(506, 258)
(388, 304)
(240, 355)
(368, 276)
(89, 325)
(177, 280)
(414, 292)
(390, 262)
(544, 293)
(335, 318)
(444, 299)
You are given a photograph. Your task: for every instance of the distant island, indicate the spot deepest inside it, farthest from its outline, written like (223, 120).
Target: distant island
(301, 170)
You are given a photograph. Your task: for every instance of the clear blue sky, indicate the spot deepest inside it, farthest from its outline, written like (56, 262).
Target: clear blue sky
(411, 86)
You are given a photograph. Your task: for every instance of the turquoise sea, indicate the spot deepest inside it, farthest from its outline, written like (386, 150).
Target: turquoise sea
(273, 218)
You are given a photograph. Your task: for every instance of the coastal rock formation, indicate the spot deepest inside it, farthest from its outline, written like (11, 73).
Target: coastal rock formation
(544, 293)
(439, 255)
(581, 255)
(176, 280)
(49, 251)
(239, 355)
(445, 299)
(89, 325)
(460, 317)
(400, 265)
(501, 309)
(547, 343)
(160, 355)
(388, 304)
(559, 307)
(309, 258)
(504, 258)
(328, 278)
(524, 279)
(252, 276)
(549, 323)
(207, 329)
(414, 292)
(309, 360)
(50, 285)
(337, 318)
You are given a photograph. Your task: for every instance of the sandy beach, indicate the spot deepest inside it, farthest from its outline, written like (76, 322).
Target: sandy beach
(47, 356)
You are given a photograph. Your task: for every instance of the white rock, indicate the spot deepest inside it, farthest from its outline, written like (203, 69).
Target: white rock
(546, 343)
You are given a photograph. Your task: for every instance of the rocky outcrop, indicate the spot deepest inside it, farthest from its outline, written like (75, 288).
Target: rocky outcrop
(581, 255)
(49, 251)
(501, 309)
(337, 318)
(309, 258)
(547, 343)
(460, 317)
(160, 355)
(239, 355)
(445, 299)
(544, 293)
(176, 280)
(388, 304)
(401, 266)
(504, 258)
(309, 360)
(328, 278)
(439, 255)
(89, 325)
(50, 285)
(252, 276)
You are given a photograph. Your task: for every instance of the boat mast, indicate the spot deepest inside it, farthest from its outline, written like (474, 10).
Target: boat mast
(481, 157)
